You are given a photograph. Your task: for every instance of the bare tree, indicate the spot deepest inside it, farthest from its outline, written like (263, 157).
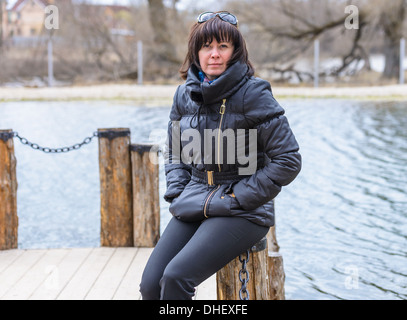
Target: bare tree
(165, 48)
(293, 25)
(102, 44)
(1, 23)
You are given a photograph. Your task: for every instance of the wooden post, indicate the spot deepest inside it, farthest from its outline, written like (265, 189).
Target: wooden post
(316, 63)
(50, 63)
(259, 275)
(275, 267)
(227, 281)
(115, 188)
(266, 272)
(140, 62)
(146, 198)
(402, 56)
(276, 276)
(8, 192)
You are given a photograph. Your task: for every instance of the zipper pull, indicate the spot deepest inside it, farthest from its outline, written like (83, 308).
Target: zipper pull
(210, 178)
(222, 107)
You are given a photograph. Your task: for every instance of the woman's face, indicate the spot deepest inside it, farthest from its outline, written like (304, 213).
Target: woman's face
(214, 58)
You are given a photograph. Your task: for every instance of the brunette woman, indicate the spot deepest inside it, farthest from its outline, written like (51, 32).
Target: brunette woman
(230, 150)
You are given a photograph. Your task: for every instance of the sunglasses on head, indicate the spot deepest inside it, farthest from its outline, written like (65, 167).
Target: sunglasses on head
(225, 16)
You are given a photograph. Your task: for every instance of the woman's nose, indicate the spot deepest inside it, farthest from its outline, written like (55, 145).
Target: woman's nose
(215, 53)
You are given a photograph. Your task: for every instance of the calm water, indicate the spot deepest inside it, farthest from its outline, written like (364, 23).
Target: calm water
(341, 226)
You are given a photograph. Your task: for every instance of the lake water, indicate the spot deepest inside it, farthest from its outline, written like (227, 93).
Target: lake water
(341, 225)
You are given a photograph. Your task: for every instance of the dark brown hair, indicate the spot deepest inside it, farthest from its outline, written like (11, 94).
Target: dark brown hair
(222, 31)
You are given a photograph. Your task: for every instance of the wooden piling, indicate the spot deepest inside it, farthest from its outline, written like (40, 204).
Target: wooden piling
(276, 276)
(115, 188)
(227, 281)
(146, 199)
(275, 267)
(266, 274)
(8, 192)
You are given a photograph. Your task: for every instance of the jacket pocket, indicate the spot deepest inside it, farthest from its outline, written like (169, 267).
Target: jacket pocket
(262, 215)
(219, 204)
(188, 206)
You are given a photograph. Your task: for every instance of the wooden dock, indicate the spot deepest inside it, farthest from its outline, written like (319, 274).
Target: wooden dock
(130, 216)
(78, 274)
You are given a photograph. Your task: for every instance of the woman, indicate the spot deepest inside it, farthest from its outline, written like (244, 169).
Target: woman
(229, 151)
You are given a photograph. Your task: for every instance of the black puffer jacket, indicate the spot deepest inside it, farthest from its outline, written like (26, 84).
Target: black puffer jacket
(203, 167)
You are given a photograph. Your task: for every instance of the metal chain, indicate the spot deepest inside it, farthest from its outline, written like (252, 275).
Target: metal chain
(244, 277)
(35, 146)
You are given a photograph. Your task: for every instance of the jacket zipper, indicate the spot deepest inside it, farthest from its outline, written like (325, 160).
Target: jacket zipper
(222, 112)
(208, 199)
(210, 181)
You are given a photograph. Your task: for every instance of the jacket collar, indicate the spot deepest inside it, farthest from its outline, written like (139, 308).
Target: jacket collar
(225, 85)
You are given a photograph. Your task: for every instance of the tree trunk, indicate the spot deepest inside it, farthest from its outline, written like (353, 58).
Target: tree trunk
(392, 23)
(392, 58)
(1, 24)
(165, 49)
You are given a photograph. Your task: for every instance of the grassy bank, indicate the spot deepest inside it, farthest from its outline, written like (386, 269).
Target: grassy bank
(163, 94)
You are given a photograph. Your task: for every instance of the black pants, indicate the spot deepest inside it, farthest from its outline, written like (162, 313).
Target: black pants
(189, 253)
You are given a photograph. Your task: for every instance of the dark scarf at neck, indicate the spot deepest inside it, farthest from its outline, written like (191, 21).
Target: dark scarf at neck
(222, 88)
(209, 92)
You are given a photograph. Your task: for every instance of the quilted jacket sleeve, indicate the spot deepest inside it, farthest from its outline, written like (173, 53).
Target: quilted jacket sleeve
(276, 140)
(177, 173)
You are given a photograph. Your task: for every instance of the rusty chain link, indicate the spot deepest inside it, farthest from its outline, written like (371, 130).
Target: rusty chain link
(35, 146)
(244, 277)
(243, 273)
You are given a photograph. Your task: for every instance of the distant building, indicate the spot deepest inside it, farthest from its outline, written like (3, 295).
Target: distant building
(26, 18)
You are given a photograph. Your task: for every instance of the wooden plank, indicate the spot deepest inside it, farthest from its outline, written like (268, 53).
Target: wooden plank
(7, 257)
(129, 288)
(77, 274)
(35, 275)
(110, 278)
(59, 275)
(84, 278)
(15, 271)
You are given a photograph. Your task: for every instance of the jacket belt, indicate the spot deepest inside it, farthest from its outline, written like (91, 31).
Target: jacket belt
(215, 178)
